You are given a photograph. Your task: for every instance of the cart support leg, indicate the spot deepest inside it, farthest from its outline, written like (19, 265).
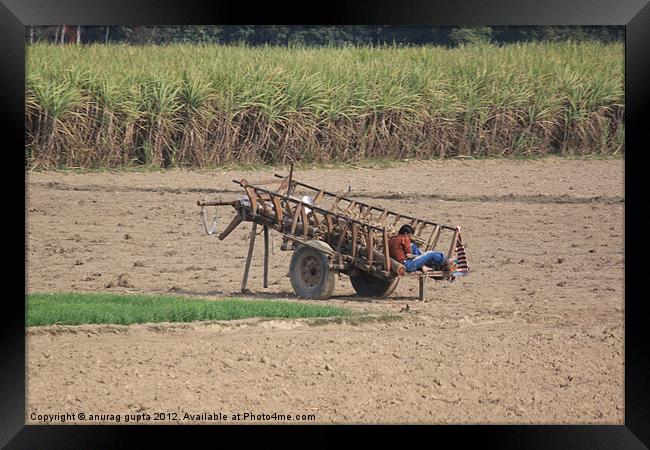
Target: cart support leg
(250, 257)
(421, 296)
(266, 256)
(235, 221)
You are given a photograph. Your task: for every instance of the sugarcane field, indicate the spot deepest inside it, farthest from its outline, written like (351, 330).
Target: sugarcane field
(236, 234)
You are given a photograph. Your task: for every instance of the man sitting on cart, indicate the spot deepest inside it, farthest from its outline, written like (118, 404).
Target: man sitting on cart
(404, 251)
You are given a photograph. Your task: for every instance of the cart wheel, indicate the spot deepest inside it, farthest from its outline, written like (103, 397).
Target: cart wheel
(368, 286)
(310, 274)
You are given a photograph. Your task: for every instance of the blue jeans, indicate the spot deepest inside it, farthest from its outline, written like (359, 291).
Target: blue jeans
(428, 258)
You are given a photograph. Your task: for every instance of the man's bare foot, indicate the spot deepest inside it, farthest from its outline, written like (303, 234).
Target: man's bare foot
(425, 269)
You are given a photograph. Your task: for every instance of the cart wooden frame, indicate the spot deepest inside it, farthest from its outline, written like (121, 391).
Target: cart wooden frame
(341, 235)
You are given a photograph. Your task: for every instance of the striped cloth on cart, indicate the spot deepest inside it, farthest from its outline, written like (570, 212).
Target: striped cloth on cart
(461, 256)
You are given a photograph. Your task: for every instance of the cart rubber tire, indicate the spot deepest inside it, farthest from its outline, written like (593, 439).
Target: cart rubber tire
(310, 274)
(368, 286)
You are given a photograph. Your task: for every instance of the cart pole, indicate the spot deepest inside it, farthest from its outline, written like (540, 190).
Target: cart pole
(266, 256)
(249, 257)
(421, 296)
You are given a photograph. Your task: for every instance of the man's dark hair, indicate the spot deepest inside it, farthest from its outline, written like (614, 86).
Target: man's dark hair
(406, 229)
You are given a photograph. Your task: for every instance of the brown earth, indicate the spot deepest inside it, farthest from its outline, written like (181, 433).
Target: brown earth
(533, 335)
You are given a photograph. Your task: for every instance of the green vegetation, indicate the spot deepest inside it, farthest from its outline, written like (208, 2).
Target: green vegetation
(317, 34)
(209, 105)
(76, 309)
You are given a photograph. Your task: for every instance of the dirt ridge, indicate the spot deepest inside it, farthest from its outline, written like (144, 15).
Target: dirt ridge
(536, 198)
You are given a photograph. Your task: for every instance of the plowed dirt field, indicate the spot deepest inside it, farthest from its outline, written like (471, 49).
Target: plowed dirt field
(533, 335)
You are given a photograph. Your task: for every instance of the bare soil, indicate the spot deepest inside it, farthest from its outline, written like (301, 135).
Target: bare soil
(533, 335)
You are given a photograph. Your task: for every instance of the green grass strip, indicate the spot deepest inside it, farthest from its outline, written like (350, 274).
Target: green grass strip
(77, 309)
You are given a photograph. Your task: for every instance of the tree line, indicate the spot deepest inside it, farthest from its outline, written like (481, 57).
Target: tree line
(284, 35)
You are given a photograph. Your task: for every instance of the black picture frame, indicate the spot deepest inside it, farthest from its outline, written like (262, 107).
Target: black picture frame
(15, 15)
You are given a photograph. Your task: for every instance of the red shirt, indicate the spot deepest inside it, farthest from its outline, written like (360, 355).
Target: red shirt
(399, 246)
